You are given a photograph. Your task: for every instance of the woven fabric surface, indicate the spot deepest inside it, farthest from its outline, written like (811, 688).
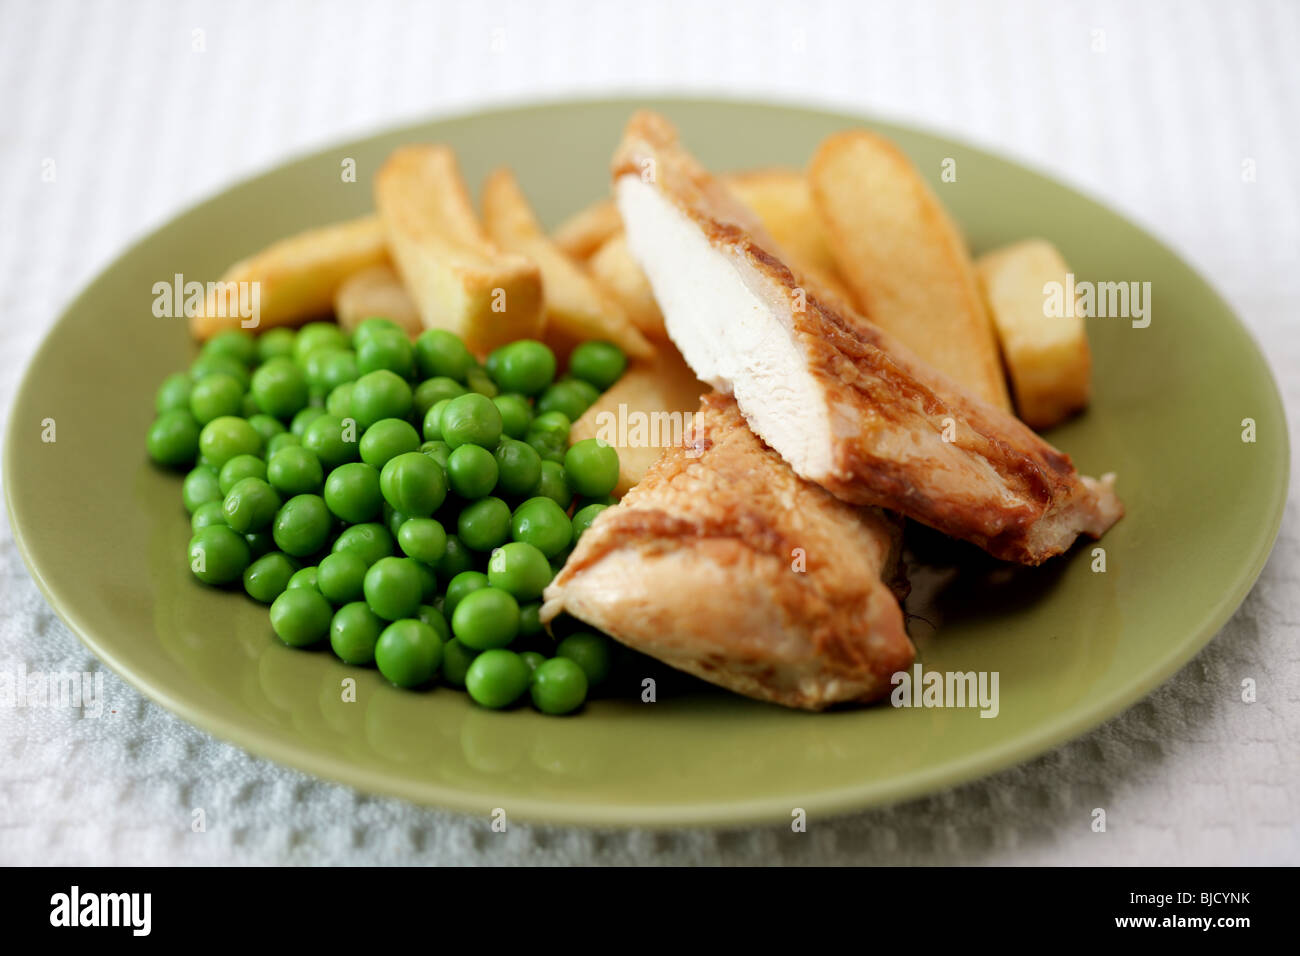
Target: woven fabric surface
(1155, 106)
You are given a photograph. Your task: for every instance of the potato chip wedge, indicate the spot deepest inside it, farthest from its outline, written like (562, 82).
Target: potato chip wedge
(576, 308)
(1047, 356)
(294, 279)
(783, 201)
(588, 229)
(458, 278)
(613, 267)
(377, 291)
(904, 259)
(650, 408)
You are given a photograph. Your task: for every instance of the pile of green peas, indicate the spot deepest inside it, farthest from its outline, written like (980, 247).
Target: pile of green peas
(396, 498)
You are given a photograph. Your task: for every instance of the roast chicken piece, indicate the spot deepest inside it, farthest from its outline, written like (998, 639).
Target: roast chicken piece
(848, 407)
(725, 564)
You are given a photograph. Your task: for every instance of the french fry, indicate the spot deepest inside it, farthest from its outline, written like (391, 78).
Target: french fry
(296, 278)
(904, 259)
(650, 408)
(783, 201)
(613, 267)
(588, 229)
(576, 308)
(1047, 356)
(377, 291)
(458, 278)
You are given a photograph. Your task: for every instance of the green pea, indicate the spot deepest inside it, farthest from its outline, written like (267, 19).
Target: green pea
(371, 540)
(525, 366)
(497, 678)
(414, 484)
(548, 433)
(441, 353)
(235, 343)
(583, 518)
(276, 343)
(422, 539)
(354, 632)
(552, 484)
(303, 418)
(533, 659)
(380, 394)
(250, 505)
(248, 409)
(455, 559)
(590, 651)
(521, 569)
(302, 525)
(386, 350)
(591, 468)
(318, 335)
(267, 577)
(218, 555)
(223, 438)
(431, 426)
(206, 365)
(456, 658)
(486, 618)
(239, 467)
(462, 585)
(530, 619)
(301, 616)
(352, 492)
(542, 523)
(333, 440)
(433, 390)
(279, 442)
(478, 380)
(428, 582)
(386, 439)
(327, 369)
(339, 401)
(439, 451)
(266, 426)
(174, 438)
(341, 577)
(519, 467)
(516, 415)
(280, 388)
(393, 588)
(408, 653)
(431, 616)
(201, 486)
(558, 686)
(600, 364)
(485, 524)
(295, 470)
(208, 513)
(469, 419)
(216, 395)
(570, 397)
(373, 325)
(472, 471)
(304, 578)
(259, 542)
(173, 393)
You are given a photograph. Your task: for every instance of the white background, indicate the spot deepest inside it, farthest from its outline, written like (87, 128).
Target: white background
(1154, 106)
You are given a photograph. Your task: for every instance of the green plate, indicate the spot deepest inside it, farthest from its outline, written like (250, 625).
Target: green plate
(105, 535)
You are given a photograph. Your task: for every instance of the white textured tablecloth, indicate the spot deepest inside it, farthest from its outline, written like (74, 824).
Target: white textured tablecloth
(1155, 106)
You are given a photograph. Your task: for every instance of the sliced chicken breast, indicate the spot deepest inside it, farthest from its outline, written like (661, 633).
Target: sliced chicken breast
(725, 564)
(847, 407)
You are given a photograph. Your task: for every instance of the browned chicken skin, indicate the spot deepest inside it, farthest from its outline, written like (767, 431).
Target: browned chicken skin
(725, 564)
(843, 403)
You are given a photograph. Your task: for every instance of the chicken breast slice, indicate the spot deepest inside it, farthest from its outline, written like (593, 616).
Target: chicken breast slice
(848, 407)
(725, 564)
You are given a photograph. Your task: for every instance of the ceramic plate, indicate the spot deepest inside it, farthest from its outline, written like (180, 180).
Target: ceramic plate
(105, 534)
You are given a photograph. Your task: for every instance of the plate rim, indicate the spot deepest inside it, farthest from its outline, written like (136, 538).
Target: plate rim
(837, 801)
